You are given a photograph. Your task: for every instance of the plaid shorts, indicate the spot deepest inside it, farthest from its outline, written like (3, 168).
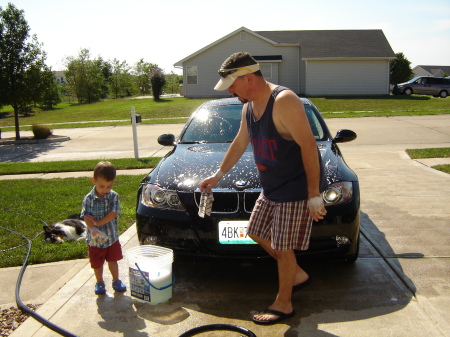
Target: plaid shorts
(286, 224)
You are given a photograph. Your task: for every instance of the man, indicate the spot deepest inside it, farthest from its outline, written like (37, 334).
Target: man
(288, 161)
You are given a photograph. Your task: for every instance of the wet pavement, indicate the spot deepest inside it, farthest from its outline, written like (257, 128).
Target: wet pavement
(400, 285)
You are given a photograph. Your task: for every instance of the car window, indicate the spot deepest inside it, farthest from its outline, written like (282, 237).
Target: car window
(220, 124)
(314, 123)
(217, 124)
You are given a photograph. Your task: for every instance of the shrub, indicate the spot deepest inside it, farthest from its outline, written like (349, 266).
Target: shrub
(41, 131)
(158, 81)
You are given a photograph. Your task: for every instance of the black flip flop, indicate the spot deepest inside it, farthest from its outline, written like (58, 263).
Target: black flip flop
(301, 285)
(281, 316)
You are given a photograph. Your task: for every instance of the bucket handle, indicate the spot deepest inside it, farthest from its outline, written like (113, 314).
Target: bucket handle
(148, 281)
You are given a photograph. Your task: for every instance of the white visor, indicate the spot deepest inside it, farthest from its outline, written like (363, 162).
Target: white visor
(225, 82)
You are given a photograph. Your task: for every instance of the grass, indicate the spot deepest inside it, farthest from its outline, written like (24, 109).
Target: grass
(115, 112)
(74, 165)
(333, 107)
(177, 110)
(441, 152)
(51, 201)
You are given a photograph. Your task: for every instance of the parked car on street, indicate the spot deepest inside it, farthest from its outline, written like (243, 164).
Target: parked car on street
(169, 196)
(436, 86)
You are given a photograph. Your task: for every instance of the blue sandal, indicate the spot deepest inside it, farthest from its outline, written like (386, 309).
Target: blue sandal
(100, 288)
(119, 286)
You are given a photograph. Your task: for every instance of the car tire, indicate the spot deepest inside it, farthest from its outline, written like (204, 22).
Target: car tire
(352, 258)
(408, 91)
(443, 94)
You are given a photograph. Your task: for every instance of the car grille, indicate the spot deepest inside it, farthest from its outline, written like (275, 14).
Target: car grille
(230, 201)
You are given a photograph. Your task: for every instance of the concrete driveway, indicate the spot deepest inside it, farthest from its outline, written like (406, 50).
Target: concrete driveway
(400, 285)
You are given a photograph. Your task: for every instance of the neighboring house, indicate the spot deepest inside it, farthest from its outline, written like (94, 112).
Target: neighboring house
(60, 77)
(310, 62)
(434, 71)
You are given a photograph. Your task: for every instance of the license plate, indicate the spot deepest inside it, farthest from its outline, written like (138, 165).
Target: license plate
(234, 232)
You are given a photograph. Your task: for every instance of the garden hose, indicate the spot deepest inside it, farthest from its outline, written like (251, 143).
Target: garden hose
(63, 332)
(23, 307)
(216, 327)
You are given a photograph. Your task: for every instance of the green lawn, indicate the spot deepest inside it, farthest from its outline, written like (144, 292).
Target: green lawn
(25, 203)
(176, 110)
(441, 152)
(75, 165)
(113, 111)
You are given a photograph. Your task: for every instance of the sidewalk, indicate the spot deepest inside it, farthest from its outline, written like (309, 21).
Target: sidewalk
(400, 286)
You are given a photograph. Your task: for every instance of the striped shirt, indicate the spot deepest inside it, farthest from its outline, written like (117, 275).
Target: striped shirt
(98, 208)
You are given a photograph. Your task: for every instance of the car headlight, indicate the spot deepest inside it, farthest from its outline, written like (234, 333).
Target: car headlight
(155, 196)
(338, 193)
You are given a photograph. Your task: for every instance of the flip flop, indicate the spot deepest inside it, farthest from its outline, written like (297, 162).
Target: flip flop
(281, 316)
(301, 285)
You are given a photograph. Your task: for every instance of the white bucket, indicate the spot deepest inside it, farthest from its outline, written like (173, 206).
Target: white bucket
(150, 270)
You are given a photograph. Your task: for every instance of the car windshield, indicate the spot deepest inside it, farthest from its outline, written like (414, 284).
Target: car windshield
(220, 124)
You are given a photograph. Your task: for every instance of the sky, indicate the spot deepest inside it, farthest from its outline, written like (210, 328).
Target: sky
(165, 32)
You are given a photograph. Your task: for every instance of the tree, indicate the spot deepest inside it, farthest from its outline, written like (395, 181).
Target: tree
(142, 73)
(400, 69)
(106, 70)
(173, 82)
(120, 78)
(84, 77)
(50, 94)
(158, 80)
(20, 59)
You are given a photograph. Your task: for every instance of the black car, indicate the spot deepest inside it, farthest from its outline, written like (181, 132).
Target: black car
(168, 198)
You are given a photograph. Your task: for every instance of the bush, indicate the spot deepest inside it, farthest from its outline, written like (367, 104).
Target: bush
(41, 131)
(158, 80)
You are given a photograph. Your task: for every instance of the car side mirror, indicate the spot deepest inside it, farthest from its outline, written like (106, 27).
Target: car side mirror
(344, 135)
(166, 139)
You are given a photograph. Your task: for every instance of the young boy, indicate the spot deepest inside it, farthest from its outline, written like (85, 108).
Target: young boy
(100, 209)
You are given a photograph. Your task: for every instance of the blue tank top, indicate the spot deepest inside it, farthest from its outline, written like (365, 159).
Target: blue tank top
(278, 160)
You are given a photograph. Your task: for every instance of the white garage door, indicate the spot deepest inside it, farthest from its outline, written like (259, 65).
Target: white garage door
(347, 77)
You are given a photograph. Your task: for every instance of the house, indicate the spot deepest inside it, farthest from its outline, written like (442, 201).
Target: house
(309, 62)
(433, 71)
(60, 77)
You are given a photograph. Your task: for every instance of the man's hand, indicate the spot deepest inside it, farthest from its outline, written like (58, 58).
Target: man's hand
(316, 208)
(208, 183)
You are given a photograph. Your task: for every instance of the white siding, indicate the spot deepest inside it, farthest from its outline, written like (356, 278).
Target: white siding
(209, 61)
(347, 77)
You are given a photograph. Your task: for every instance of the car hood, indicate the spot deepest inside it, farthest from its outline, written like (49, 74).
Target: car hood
(188, 165)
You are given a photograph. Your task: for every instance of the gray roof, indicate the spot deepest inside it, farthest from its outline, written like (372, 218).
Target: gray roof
(335, 43)
(433, 69)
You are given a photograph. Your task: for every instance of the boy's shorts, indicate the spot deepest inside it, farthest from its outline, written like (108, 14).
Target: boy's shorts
(286, 224)
(97, 256)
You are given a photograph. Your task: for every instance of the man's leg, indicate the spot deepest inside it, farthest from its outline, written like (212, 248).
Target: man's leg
(300, 275)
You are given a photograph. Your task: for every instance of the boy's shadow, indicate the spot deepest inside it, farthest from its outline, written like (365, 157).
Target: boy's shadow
(119, 315)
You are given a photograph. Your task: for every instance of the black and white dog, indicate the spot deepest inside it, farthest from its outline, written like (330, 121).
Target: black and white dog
(66, 230)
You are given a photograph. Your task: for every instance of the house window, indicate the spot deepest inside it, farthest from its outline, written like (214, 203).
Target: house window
(243, 36)
(266, 69)
(191, 74)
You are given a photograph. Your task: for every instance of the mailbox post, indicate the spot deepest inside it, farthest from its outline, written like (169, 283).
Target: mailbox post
(135, 119)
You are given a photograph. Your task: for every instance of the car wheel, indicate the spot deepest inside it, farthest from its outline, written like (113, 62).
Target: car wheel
(408, 91)
(443, 94)
(352, 258)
